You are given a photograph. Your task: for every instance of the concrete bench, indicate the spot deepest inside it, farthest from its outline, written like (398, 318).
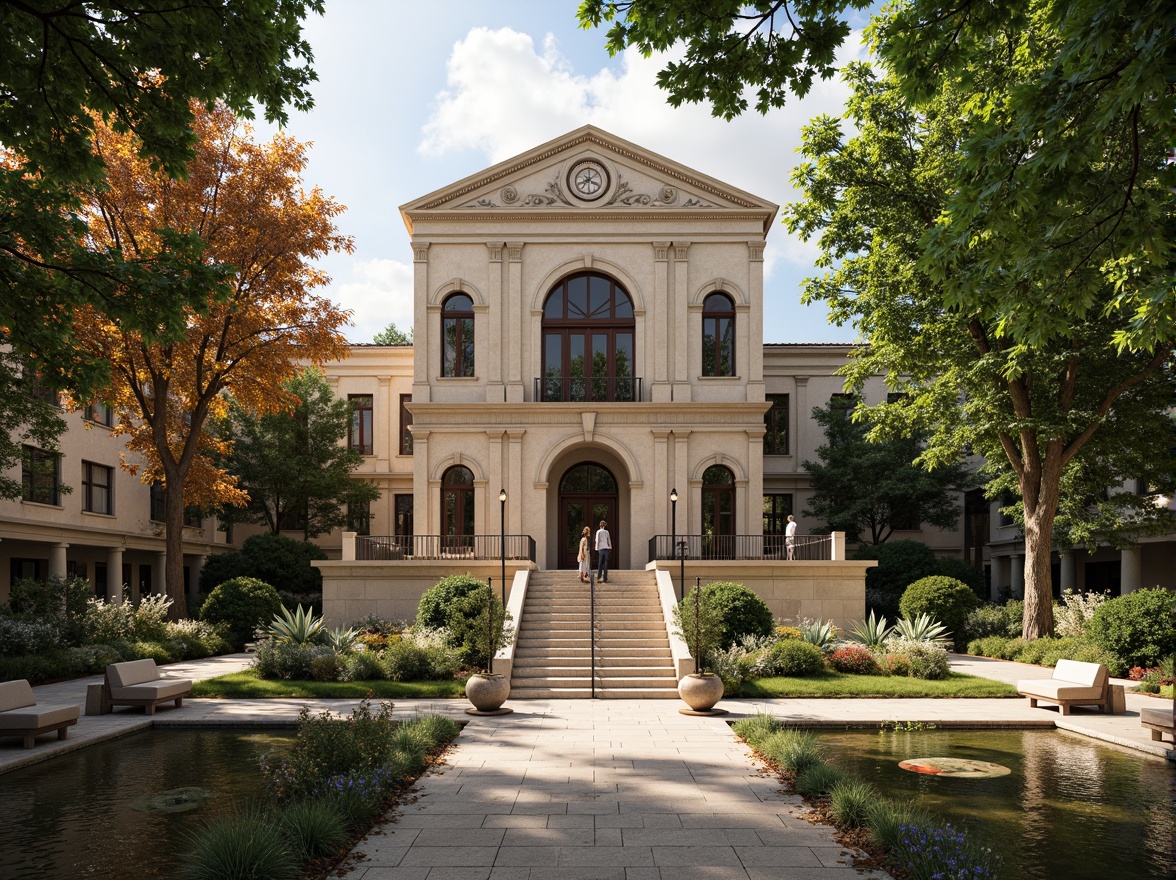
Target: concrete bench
(21, 716)
(1074, 683)
(140, 683)
(1160, 721)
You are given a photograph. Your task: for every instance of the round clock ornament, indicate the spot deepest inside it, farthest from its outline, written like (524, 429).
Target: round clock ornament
(588, 180)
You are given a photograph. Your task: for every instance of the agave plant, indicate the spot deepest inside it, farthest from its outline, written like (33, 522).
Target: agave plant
(821, 633)
(341, 641)
(871, 632)
(301, 627)
(923, 628)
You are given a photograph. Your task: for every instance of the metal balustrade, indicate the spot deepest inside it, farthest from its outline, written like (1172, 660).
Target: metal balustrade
(805, 547)
(482, 547)
(579, 389)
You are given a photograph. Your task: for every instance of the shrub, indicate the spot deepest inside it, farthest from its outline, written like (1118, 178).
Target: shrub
(59, 601)
(742, 612)
(326, 667)
(1139, 628)
(855, 659)
(900, 563)
(107, 622)
(199, 638)
(243, 604)
(361, 667)
(155, 650)
(886, 820)
(1075, 611)
(700, 626)
(733, 666)
(788, 632)
(433, 609)
(86, 659)
(302, 627)
(286, 661)
(243, 845)
(470, 629)
(850, 803)
(895, 664)
(793, 658)
(274, 559)
(922, 659)
(923, 628)
(405, 661)
(990, 646)
(822, 633)
(943, 598)
(27, 637)
(871, 632)
(313, 828)
(52, 664)
(963, 571)
(818, 780)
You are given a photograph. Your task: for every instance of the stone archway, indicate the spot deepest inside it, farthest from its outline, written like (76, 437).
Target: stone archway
(587, 483)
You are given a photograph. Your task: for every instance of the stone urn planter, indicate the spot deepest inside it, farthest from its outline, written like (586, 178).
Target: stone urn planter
(700, 691)
(487, 691)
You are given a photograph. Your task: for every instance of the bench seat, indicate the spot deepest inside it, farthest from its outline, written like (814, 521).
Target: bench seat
(1159, 722)
(21, 716)
(140, 683)
(1074, 683)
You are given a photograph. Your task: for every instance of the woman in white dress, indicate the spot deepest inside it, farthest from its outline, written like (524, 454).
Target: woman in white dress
(583, 556)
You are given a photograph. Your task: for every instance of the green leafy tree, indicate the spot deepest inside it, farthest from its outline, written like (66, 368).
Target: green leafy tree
(1000, 230)
(273, 559)
(1012, 330)
(393, 335)
(293, 464)
(773, 46)
(868, 489)
(137, 66)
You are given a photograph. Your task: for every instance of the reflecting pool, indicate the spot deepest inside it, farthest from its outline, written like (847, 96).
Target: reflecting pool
(1070, 808)
(121, 808)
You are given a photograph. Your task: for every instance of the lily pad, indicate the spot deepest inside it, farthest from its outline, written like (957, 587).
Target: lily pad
(176, 800)
(965, 768)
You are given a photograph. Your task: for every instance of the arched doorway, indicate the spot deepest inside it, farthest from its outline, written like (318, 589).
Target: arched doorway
(457, 509)
(587, 495)
(718, 513)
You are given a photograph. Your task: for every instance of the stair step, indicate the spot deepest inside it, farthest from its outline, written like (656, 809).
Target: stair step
(603, 693)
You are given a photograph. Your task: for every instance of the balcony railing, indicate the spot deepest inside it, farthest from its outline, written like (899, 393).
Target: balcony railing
(578, 389)
(804, 547)
(445, 547)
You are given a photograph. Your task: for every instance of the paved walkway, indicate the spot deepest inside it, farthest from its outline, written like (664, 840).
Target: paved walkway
(626, 789)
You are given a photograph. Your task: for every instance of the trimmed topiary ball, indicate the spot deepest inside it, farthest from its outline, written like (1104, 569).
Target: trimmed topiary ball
(243, 604)
(437, 602)
(945, 599)
(1139, 628)
(795, 658)
(743, 612)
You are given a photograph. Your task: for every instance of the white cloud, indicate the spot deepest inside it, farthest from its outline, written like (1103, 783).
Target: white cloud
(505, 96)
(379, 293)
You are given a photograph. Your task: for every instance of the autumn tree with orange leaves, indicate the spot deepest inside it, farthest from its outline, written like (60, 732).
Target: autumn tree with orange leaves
(245, 201)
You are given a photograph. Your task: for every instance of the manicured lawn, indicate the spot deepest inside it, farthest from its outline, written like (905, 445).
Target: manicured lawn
(246, 684)
(837, 684)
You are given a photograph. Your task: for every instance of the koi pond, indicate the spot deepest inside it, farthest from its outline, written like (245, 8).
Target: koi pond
(122, 808)
(1068, 807)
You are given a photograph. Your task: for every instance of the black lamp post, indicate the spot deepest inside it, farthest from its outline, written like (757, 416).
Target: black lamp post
(502, 543)
(674, 527)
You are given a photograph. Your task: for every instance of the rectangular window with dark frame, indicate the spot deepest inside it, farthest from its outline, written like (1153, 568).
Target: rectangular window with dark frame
(776, 423)
(777, 507)
(99, 413)
(292, 521)
(40, 476)
(157, 502)
(1004, 520)
(359, 517)
(359, 434)
(403, 524)
(39, 389)
(842, 404)
(97, 488)
(193, 518)
(405, 424)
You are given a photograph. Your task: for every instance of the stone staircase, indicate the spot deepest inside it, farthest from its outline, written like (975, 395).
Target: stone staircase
(554, 646)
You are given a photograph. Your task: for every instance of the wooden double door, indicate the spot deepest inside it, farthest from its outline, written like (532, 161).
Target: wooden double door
(587, 495)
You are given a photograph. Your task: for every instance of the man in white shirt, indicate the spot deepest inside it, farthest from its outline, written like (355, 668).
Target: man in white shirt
(603, 546)
(790, 535)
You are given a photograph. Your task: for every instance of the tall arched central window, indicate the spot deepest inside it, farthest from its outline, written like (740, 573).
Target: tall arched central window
(457, 505)
(457, 335)
(588, 341)
(718, 335)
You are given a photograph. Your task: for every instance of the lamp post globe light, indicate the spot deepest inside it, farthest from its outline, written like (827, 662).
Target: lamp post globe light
(502, 542)
(674, 529)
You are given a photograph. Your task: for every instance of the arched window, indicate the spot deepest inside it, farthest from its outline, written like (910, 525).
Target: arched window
(588, 341)
(457, 335)
(718, 513)
(718, 335)
(457, 504)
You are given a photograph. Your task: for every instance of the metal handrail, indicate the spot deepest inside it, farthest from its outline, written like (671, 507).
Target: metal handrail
(480, 547)
(581, 389)
(592, 630)
(754, 547)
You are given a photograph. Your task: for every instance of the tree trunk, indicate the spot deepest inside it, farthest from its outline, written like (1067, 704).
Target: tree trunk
(1040, 489)
(173, 524)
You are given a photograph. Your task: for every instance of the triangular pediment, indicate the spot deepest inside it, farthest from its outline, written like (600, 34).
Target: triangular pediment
(587, 171)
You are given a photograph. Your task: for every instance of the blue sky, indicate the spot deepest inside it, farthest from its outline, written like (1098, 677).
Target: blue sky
(413, 96)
